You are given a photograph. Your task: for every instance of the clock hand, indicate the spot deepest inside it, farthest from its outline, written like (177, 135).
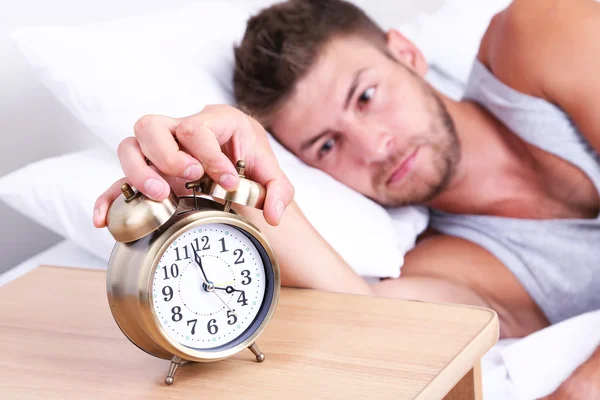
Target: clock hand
(223, 284)
(198, 260)
(209, 286)
(223, 301)
(229, 289)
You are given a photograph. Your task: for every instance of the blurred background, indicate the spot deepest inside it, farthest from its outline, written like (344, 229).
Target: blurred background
(34, 125)
(107, 73)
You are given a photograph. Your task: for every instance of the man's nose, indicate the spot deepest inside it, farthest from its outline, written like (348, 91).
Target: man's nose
(376, 147)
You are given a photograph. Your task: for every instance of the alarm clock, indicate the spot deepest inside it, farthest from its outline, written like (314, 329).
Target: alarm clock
(190, 280)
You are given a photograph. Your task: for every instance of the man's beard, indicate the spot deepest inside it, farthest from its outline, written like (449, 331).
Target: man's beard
(442, 140)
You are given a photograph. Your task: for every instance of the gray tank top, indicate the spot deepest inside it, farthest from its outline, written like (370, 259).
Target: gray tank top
(557, 261)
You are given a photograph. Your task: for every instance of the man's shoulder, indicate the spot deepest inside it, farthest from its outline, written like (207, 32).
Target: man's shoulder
(516, 46)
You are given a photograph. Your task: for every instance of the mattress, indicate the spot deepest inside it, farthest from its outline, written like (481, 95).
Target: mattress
(65, 253)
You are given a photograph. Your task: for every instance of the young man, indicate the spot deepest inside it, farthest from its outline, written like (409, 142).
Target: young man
(512, 173)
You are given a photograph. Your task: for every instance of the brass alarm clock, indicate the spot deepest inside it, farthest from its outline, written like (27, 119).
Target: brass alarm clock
(189, 279)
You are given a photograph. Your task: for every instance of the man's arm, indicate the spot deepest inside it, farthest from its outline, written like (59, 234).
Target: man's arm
(183, 149)
(562, 41)
(584, 384)
(572, 79)
(306, 259)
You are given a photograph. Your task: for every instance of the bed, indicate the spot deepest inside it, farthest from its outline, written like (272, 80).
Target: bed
(511, 370)
(65, 253)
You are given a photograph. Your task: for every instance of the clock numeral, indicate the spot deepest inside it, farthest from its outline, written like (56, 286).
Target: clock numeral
(205, 241)
(231, 317)
(187, 256)
(168, 292)
(246, 275)
(223, 245)
(242, 298)
(193, 322)
(186, 250)
(176, 314)
(212, 327)
(239, 253)
(174, 271)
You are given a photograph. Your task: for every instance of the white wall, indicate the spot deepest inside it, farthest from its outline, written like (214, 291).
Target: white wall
(34, 126)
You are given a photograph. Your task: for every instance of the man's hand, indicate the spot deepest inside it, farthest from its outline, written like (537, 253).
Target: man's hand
(584, 384)
(184, 149)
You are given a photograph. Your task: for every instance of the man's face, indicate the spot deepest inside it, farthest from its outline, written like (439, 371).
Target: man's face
(371, 123)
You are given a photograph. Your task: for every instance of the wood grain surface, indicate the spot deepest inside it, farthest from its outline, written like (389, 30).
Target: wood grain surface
(59, 341)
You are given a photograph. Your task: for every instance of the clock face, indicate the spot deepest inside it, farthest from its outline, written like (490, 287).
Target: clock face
(210, 287)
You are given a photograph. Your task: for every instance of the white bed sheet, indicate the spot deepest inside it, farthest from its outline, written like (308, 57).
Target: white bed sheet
(65, 253)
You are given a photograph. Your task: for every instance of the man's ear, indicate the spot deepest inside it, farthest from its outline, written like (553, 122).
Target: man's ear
(406, 52)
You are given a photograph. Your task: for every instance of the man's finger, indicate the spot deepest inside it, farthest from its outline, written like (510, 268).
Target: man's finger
(280, 191)
(140, 175)
(154, 134)
(279, 197)
(104, 201)
(203, 144)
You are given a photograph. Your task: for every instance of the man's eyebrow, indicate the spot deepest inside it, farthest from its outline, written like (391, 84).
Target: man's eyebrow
(353, 87)
(309, 143)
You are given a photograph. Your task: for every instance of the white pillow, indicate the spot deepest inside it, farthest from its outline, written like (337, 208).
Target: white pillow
(60, 193)
(110, 74)
(449, 37)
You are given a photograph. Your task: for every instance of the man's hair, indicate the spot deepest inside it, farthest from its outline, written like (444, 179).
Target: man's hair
(282, 42)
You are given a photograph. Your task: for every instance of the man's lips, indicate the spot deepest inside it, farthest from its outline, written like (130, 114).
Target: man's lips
(403, 168)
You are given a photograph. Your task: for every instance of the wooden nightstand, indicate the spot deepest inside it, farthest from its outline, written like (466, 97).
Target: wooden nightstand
(59, 341)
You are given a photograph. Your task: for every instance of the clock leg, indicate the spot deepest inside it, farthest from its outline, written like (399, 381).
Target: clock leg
(260, 356)
(175, 363)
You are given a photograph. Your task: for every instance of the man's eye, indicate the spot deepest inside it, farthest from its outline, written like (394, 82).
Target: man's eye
(326, 147)
(367, 96)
